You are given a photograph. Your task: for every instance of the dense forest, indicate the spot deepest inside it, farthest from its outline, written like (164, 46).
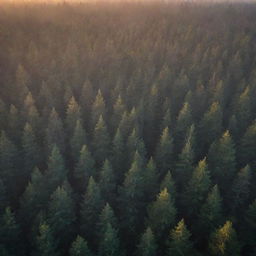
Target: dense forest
(127, 129)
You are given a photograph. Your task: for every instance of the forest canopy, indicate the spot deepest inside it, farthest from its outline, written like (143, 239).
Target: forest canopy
(128, 129)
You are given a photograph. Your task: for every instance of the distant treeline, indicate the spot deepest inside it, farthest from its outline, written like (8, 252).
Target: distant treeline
(128, 129)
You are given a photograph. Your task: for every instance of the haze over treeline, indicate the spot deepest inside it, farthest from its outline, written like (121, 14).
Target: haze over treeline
(127, 129)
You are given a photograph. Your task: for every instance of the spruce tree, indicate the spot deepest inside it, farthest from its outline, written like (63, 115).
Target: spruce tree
(91, 207)
(46, 245)
(224, 241)
(147, 245)
(73, 114)
(101, 141)
(84, 169)
(77, 141)
(55, 133)
(79, 248)
(222, 160)
(169, 184)
(162, 213)
(61, 217)
(197, 188)
(107, 182)
(110, 244)
(98, 108)
(179, 242)
(164, 152)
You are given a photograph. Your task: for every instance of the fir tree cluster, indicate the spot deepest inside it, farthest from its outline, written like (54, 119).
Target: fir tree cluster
(127, 129)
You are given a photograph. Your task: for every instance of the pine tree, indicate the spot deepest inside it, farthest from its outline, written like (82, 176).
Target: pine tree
(110, 244)
(62, 217)
(240, 191)
(184, 165)
(211, 125)
(57, 171)
(119, 158)
(169, 184)
(107, 216)
(73, 114)
(9, 159)
(118, 110)
(179, 243)
(132, 194)
(147, 245)
(222, 160)
(34, 198)
(184, 121)
(151, 178)
(224, 241)
(248, 146)
(101, 142)
(107, 182)
(79, 248)
(46, 245)
(77, 141)
(10, 232)
(84, 168)
(31, 150)
(162, 213)
(98, 108)
(91, 207)
(55, 133)
(164, 152)
(211, 215)
(197, 188)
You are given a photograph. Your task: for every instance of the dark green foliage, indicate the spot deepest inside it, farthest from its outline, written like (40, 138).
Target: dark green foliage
(91, 207)
(147, 245)
(179, 242)
(162, 213)
(224, 241)
(80, 248)
(46, 245)
(84, 169)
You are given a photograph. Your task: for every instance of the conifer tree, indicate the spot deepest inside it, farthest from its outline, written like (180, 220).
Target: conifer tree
(162, 213)
(119, 159)
(147, 245)
(184, 165)
(222, 160)
(248, 146)
(164, 152)
(211, 125)
(77, 141)
(34, 197)
(31, 150)
(107, 216)
(101, 141)
(22, 83)
(3, 197)
(169, 184)
(107, 182)
(55, 133)
(61, 217)
(118, 110)
(73, 114)
(14, 124)
(197, 188)
(151, 178)
(184, 121)
(240, 191)
(46, 245)
(10, 232)
(84, 168)
(224, 241)
(211, 214)
(79, 248)
(132, 193)
(110, 244)
(98, 108)
(91, 207)
(179, 242)
(56, 172)
(250, 218)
